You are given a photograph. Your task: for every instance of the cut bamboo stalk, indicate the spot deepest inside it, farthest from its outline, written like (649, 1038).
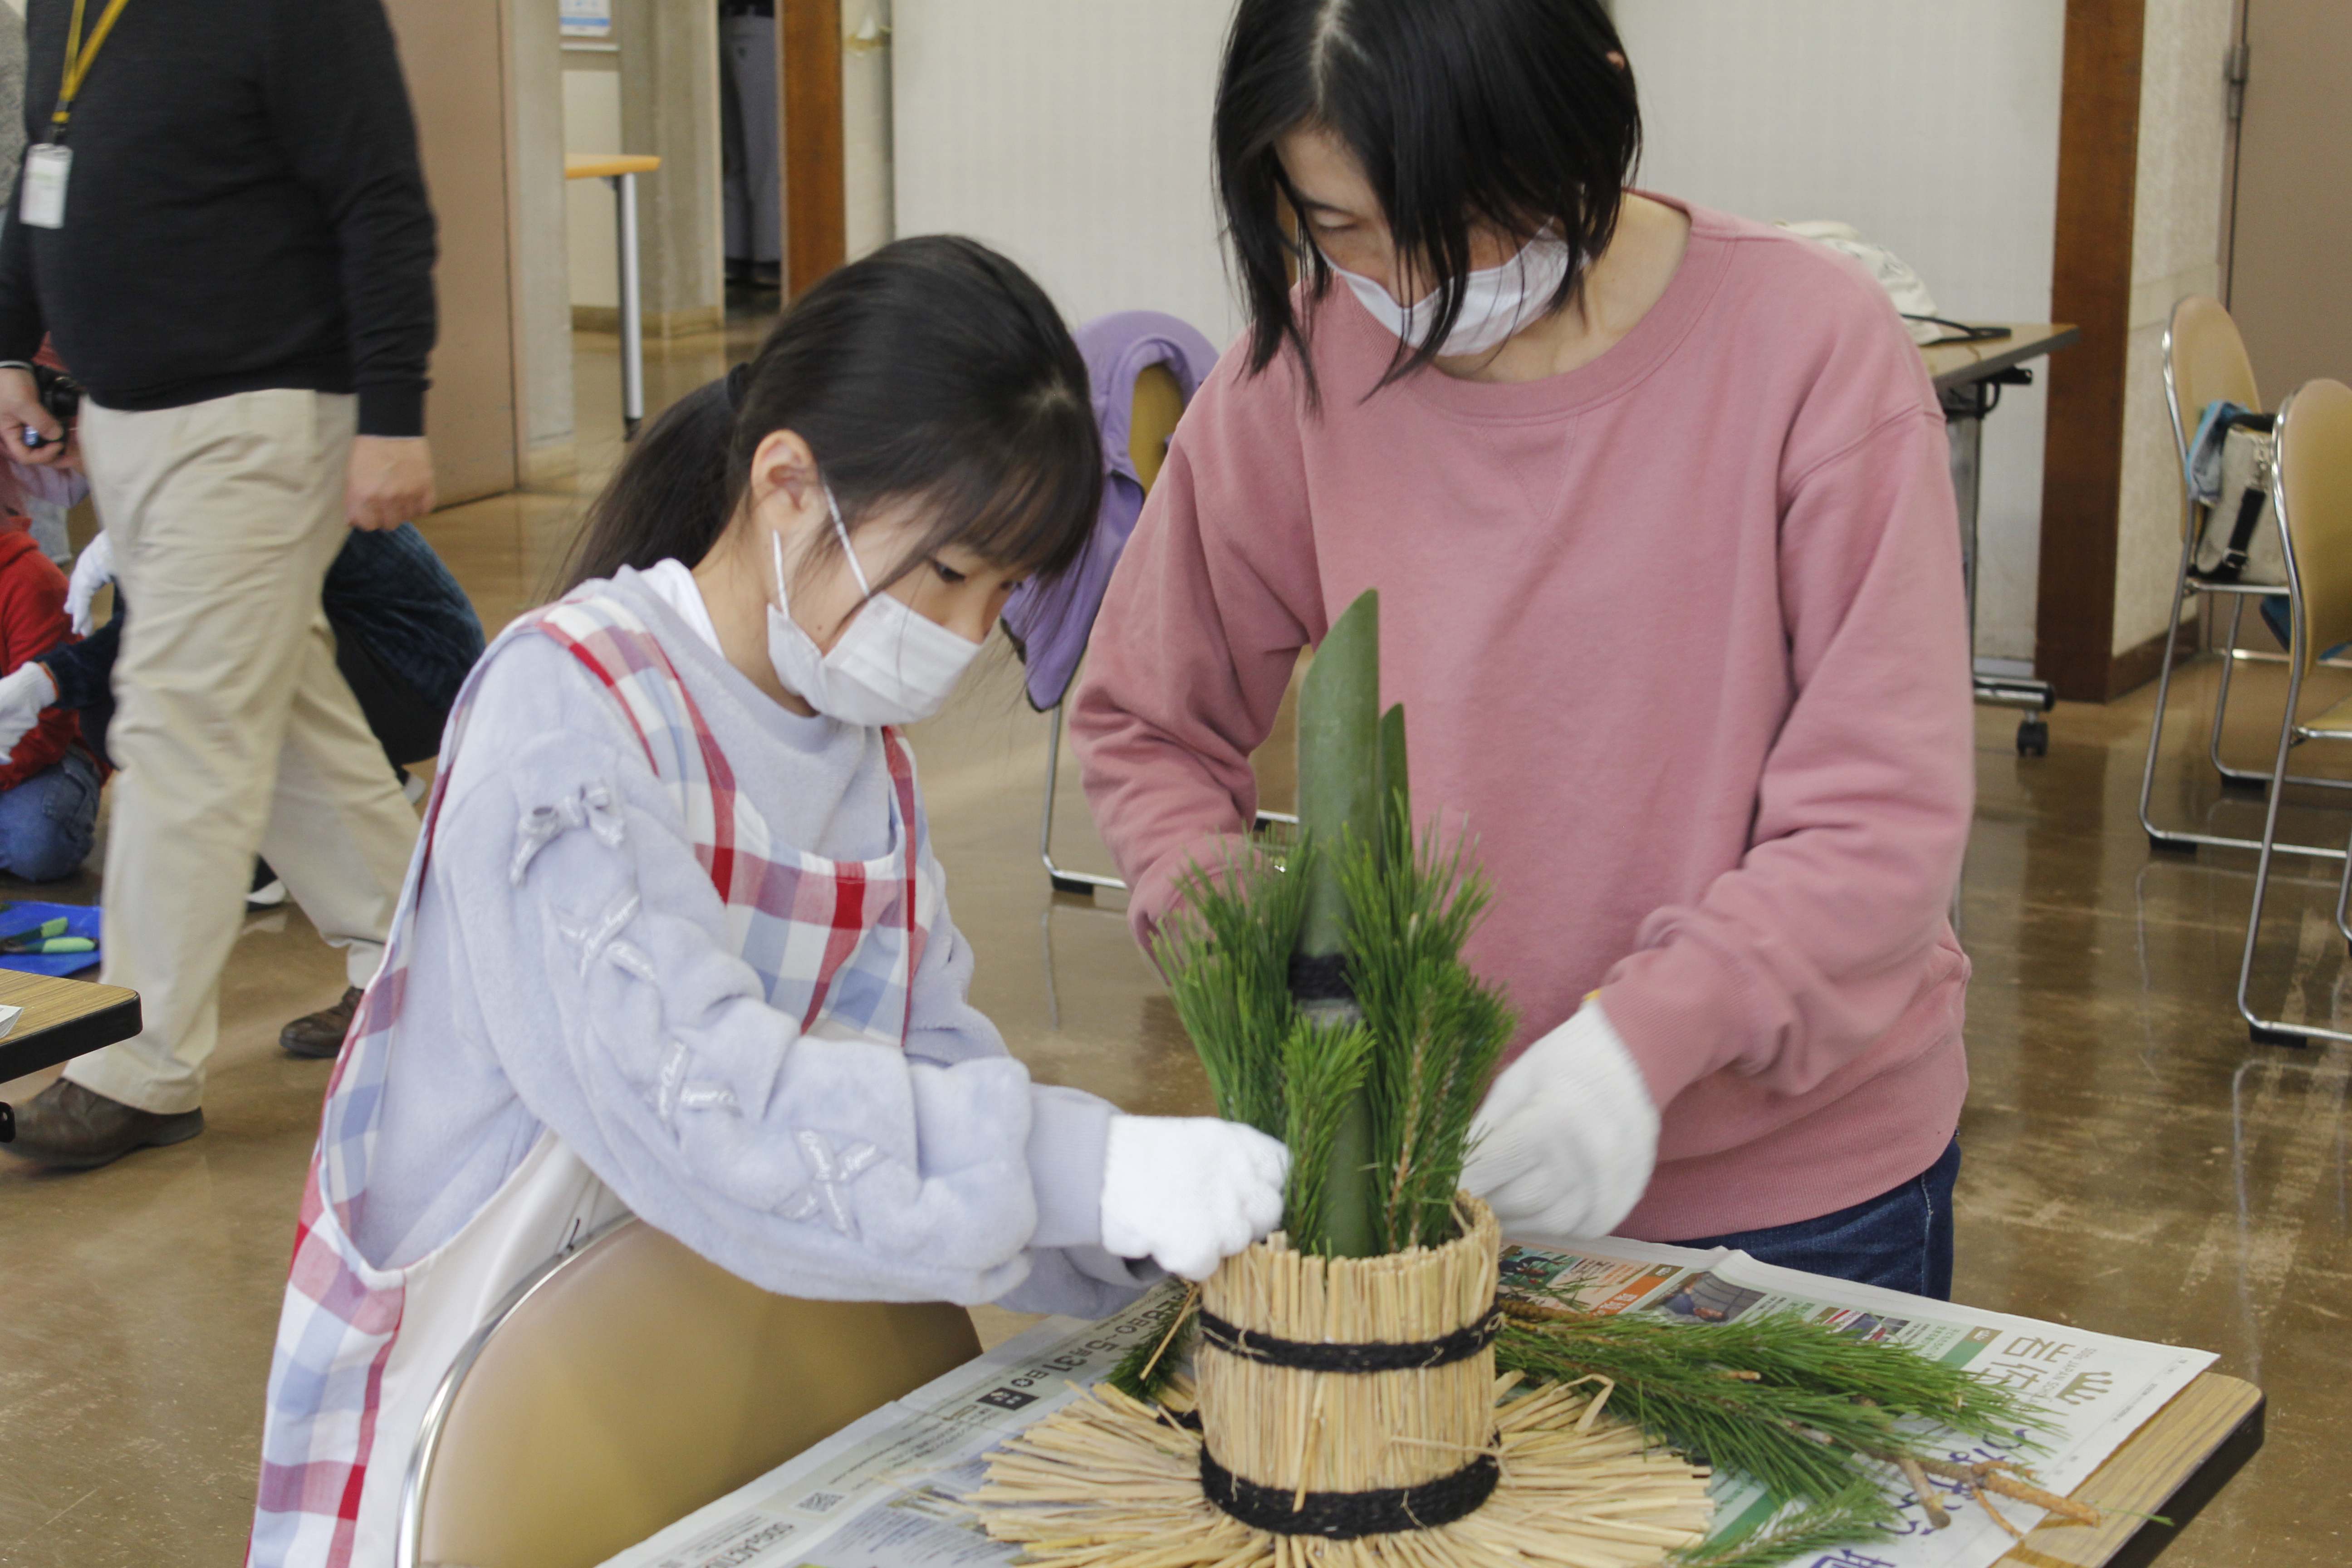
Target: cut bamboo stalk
(1339, 798)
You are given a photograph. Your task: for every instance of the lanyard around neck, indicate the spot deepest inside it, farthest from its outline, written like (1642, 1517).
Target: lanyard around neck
(79, 57)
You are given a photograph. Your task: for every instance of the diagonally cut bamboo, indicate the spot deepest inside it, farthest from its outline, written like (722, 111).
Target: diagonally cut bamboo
(1340, 795)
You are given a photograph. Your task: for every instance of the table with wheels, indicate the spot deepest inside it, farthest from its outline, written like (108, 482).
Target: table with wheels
(1969, 377)
(62, 1019)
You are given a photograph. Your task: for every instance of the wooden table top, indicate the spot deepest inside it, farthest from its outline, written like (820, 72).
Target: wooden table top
(62, 1019)
(2172, 1465)
(1956, 364)
(603, 165)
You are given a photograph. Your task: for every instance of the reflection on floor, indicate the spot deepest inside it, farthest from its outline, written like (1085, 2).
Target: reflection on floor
(2133, 1165)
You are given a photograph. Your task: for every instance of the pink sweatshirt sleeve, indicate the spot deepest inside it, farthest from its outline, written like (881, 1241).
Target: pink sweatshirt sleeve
(1171, 707)
(1807, 953)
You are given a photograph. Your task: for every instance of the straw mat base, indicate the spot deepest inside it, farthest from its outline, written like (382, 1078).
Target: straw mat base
(1110, 1482)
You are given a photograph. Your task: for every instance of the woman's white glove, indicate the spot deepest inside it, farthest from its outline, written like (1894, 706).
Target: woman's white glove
(1189, 1191)
(92, 570)
(1568, 1136)
(23, 695)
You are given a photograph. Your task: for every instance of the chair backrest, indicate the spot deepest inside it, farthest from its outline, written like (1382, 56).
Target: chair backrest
(636, 1382)
(2312, 482)
(1157, 404)
(2204, 360)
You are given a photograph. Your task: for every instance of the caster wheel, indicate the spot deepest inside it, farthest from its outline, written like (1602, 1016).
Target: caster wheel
(1071, 885)
(2255, 787)
(2165, 844)
(2033, 736)
(2263, 1037)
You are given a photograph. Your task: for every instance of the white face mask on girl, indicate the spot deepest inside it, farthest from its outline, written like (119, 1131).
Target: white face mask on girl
(891, 666)
(1496, 301)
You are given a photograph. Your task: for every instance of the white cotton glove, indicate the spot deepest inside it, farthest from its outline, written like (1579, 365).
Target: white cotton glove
(92, 571)
(23, 695)
(1566, 1137)
(1188, 1192)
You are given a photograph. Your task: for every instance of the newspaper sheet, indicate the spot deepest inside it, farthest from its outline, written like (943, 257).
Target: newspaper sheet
(885, 1491)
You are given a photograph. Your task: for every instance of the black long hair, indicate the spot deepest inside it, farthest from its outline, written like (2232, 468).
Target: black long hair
(933, 369)
(1505, 113)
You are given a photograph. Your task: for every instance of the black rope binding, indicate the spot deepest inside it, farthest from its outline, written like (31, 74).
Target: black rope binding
(1323, 979)
(1345, 1516)
(1301, 1355)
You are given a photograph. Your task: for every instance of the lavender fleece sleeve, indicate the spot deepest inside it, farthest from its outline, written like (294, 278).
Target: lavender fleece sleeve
(622, 1019)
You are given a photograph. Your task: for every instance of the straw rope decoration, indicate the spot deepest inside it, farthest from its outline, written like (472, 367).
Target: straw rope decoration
(1347, 1412)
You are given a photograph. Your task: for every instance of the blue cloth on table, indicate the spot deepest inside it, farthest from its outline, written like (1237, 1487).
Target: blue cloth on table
(81, 919)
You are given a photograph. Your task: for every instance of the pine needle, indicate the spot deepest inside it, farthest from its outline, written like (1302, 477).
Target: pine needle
(1853, 1518)
(1820, 1413)
(1437, 1029)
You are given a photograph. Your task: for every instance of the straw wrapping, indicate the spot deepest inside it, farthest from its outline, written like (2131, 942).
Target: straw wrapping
(1351, 1516)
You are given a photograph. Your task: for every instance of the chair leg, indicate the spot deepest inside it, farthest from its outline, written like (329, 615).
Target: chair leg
(2239, 777)
(2275, 1031)
(2157, 837)
(1085, 883)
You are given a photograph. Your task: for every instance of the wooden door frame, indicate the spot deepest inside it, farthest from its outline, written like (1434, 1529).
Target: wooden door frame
(815, 204)
(2090, 286)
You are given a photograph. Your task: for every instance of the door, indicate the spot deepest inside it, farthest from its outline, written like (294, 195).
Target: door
(2291, 240)
(455, 57)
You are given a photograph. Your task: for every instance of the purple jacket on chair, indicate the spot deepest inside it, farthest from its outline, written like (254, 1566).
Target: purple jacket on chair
(1051, 621)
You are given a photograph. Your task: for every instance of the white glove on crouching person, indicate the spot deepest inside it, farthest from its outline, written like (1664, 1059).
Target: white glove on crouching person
(22, 694)
(1189, 1191)
(1566, 1137)
(93, 569)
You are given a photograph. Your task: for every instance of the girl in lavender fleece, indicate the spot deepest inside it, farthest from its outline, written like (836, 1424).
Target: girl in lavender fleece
(674, 941)
(1658, 505)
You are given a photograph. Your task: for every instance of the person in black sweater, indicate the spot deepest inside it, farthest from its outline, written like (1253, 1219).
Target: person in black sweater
(223, 225)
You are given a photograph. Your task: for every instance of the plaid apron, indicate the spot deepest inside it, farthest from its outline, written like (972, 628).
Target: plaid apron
(360, 1349)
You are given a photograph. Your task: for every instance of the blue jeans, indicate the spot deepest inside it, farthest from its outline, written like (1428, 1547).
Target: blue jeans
(1901, 1239)
(46, 821)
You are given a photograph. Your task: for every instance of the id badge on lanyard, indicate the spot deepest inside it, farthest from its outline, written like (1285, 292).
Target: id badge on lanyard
(43, 201)
(48, 163)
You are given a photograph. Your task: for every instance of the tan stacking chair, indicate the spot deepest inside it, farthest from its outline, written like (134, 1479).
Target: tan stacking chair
(2312, 486)
(2204, 361)
(630, 1382)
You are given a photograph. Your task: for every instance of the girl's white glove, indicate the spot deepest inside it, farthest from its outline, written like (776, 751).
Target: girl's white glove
(1188, 1192)
(1566, 1137)
(92, 571)
(22, 694)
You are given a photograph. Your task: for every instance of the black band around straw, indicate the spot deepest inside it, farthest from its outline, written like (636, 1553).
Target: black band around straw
(1345, 1516)
(1301, 1355)
(1321, 979)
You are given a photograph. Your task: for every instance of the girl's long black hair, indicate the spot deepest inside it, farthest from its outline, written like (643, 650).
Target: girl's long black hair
(933, 369)
(1505, 113)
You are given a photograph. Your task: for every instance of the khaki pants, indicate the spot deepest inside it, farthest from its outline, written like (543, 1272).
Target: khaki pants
(234, 731)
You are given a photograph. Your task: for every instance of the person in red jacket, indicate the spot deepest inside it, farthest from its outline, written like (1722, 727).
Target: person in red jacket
(48, 783)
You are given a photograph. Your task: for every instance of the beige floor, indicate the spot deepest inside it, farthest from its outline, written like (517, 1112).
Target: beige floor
(2133, 1165)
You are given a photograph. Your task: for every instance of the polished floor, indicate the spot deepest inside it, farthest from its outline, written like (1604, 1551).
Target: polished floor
(2133, 1164)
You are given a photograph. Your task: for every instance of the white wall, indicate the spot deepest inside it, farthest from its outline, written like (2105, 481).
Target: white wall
(1073, 136)
(866, 173)
(1931, 126)
(2175, 250)
(591, 124)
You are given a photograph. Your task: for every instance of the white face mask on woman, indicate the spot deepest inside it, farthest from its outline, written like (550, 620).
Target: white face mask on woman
(891, 665)
(1496, 301)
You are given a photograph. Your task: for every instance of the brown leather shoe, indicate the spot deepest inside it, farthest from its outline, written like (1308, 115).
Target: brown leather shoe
(68, 1126)
(318, 1036)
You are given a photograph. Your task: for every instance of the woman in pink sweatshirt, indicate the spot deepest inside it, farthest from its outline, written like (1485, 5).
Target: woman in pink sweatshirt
(1658, 506)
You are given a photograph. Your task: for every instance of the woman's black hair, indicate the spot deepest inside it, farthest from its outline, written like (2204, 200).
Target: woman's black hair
(1505, 113)
(933, 369)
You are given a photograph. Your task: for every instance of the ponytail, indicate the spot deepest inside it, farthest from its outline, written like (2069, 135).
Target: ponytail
(933, 370)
